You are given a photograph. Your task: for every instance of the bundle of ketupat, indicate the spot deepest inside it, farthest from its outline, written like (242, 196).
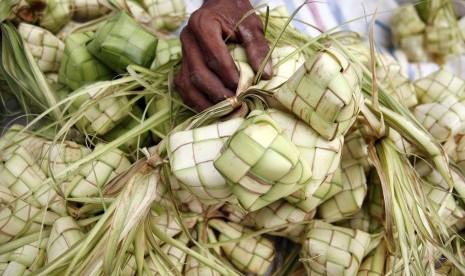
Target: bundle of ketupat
(90, 9)
(304, 159)
(56, 14)
(121, 42)
(167, 15)
(79, 66)
(428, 30)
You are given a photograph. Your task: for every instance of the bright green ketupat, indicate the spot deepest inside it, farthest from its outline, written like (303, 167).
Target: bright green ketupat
(267, 165)
(121, 42)
(79, 66)
(327, 75)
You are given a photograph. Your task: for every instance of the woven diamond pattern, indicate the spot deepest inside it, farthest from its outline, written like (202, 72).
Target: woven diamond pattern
(331, 186)
(442, 37)
(17, 217)
(79, 66)
(57, 13)
(437, 85)
(333, 250)
(443, 119)
(405, 22)
(22, 175)
(253, 255)
(121, 42)
(192, 154)
(46, 48)
(93, 177)
(281, 213)
(260, 162)
(391, 77)
(166, 15)
(89, 9)
(65, 233)
(312, 147)
(325, 92)
(350, 199)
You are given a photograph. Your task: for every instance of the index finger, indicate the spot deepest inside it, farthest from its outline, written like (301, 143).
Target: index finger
(200, 75)
(256, 47)
(216, 52)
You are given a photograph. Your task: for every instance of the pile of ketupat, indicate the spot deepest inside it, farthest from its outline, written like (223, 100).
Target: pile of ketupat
(428, 31)
(339, 165)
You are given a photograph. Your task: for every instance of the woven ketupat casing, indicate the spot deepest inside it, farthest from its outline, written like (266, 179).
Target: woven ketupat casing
(438, 85)
(281, 213)
(442, 36)
(94, 176)
(56, 14)
(89, 9)
(330, 187)
(79, 66)
(23, 176)
(46, 48)
(413, 47)
(333, 250)
(169, 224)
(391, 76)
(442, 119)
(192, 154)
(313, 148)
(353, 43)
(102, 115)
(261, 163)
(65, 233)
(442, 98)
(121, 42)
(17, 217)
(406, 22)
(286, 60)
(16, 135)
(24, 259)
(360, 221)
(252, 255)
(168, 51)
(167, 15)
(324, 92)
(355, 150)
(55, 157)
(348, 201)
(195, 268)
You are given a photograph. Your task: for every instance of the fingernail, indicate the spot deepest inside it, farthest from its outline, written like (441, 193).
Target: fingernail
(268, 70)
(237, 76)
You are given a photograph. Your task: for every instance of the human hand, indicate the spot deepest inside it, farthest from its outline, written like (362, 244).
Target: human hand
(208, 73)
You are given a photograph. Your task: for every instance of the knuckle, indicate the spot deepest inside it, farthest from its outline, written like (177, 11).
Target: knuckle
(212, 62)
(216, 98)
(186, 34)
(178, 81)
(195, 15)
(195, 78)
(199, 17)
(253, 22)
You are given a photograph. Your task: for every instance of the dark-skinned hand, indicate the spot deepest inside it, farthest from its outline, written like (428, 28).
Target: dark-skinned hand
(208, 73)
